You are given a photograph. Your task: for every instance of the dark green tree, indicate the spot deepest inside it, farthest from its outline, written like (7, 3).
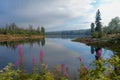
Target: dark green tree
(31, 28)
(38, 30)
(92, 29)
(98, 28)
(114, 25)
(42, 31)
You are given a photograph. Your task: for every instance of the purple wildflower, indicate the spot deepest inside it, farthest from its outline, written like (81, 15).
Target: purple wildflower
(99, 52)
(19, 46)
(66, 74)
(67, 69)
(34, 61)
(80, 59)
(20, 50)
(16, 63)
(62, 65)
(86, 67)
(41, 56)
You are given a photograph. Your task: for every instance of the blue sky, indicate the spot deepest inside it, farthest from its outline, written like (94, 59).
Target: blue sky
(57, 15)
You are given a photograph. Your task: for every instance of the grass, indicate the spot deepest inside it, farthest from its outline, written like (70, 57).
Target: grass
(17, 37)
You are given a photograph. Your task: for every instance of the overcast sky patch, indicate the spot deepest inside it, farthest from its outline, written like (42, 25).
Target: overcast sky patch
(57, 14)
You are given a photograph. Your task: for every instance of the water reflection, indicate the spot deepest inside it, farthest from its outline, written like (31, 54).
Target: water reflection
(98, 53)
(43, 41)
(13, 44)
(92, 50)
(21, 59)
(101, 53)
(57, 51)
(65, 36)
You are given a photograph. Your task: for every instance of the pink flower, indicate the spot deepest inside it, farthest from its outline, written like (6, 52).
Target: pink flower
(19, 46)
(86, 67)
(80, 59)
(67, 69)
(34, 61)
(16, 63)
(20, 50)
(62, 66)
(99, 53)
(41, 56)
(66, 74)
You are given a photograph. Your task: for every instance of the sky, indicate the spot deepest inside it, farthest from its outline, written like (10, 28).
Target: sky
(57, 15)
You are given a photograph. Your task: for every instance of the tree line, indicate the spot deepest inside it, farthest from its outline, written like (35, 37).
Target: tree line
(14, 29)
(98, 30)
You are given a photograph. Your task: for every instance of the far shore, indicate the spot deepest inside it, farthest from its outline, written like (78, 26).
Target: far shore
(111, 42)
(17, 37)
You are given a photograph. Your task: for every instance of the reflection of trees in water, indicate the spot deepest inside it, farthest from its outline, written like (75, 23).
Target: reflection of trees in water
(13, 44)
(97, 51)
(98, 56)
(92, 50)
(43, 41)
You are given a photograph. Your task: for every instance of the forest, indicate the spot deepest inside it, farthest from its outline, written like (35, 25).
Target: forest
(15, 29)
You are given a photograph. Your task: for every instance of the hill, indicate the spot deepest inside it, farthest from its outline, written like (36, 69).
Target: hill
(70, 32)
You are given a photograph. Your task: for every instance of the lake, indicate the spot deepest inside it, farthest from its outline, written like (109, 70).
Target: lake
(57, 51)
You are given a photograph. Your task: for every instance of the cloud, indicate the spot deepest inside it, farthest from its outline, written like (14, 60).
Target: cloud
(49, 13)
(109, 10)
(57, 14)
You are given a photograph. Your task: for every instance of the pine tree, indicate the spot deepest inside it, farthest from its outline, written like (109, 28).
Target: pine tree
(98, 28)
(92, 29)
(42, 31)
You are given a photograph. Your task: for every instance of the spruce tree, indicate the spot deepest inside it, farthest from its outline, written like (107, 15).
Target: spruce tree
(98, 28)
(92, 29)
(42, 31)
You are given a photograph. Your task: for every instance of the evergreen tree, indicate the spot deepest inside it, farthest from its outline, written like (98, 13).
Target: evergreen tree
(42, 31)
(38, 29)
(98, 28)
(92, 29)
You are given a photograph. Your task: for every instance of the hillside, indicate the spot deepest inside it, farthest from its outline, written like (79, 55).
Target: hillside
(70, 32)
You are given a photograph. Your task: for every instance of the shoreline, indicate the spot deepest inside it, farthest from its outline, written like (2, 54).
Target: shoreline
(111, 43)
(18, 37)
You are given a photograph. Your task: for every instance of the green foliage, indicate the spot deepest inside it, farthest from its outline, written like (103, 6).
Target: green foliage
(101, 69)
(14, 29)
(98, 24)
(92, 29)
(42, 30)
(113, 27)
(98, 17)
(97, 31)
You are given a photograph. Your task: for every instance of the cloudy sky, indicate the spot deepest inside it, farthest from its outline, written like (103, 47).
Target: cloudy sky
(57, 15)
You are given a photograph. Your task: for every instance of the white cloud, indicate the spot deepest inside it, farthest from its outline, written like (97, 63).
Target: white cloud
(66, 14)
(109, 10)
(56, 12)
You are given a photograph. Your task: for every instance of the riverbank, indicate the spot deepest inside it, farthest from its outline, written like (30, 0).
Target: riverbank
(17, 37)
(111, 42)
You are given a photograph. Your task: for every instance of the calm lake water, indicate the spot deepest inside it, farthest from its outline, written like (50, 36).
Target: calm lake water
(56, 51)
